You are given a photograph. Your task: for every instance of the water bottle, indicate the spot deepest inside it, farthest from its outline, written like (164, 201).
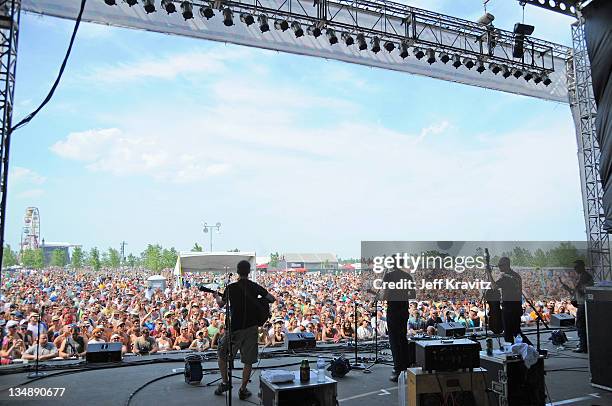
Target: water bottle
(320, 370)
(518, 339)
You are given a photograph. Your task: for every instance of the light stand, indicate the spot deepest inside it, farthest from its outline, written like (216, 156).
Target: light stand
(356, 364)
(538, 320)
(377, 360)
(37, 373)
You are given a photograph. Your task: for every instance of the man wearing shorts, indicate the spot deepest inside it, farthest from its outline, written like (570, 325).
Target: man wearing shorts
(244, 328)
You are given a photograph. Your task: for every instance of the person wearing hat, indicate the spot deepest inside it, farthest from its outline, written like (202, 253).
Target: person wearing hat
(33, 325)
(97, 336)
(73, 345)
(12, 345)
(578, 293)
(201, 342)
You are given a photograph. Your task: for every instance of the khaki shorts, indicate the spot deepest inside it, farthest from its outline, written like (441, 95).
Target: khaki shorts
(244, 340)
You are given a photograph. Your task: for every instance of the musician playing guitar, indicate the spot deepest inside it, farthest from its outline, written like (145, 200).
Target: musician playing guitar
(245, 297)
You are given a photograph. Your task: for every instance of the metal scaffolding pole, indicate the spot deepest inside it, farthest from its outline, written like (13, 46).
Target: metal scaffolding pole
(9, 33)
(584, 110)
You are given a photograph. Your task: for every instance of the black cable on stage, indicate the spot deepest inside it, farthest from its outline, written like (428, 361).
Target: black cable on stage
(30, 116)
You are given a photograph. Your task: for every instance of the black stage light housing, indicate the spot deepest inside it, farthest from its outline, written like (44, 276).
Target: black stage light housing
(528, 76)
(297, 29)
(431, 56)
(247, 18)
(169, 6)
(348, 39)
(131, 2)
(495, 68)
(523, 29)
(263, 23)
(517, 73)
(418, 52)
(389, 46)
(282, 25)
(403, 50)
(444, 57)
(207, 12)
(314, 30)
(537, 79)
(520, 31)
(228, 17)
(361, 41)
(149, 6)
(456, 61)
(468, 62)
(331, 36)
(546, 80)
(481, 67)
(111, 2)
(187, 10)
(506, 71)
(375, 44)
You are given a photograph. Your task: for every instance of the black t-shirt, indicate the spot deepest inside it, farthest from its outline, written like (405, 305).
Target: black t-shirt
(243, 310)
(398, 299)
(511, 286)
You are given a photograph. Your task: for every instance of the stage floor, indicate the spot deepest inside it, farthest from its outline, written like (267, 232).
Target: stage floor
(567, 382)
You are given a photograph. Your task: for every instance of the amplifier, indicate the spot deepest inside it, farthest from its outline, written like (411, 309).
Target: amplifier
(598, 309)
(447, 355)
(510, 383)
(103, 352)
(299, 341)
(451, 329)
(562, 320)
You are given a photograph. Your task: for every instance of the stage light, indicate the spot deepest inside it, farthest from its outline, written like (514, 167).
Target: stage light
(187, 10)
(418, 52)
(486, 19)
(537, 79)
(110, 2)
(247, 18)
(263, 23)
(506, 71)
(495, 68)
(169, 6)
(282, 25)
(468, 62)
(546, 80)
(331, 36)
(528, 76)
(389, 46)
(131, 2)
(149, 6)
(444, 57)
(297, 29)
(375, 42)
(403, 48)
(456, 61)
(228, 17)
(481, 68)
(314, 30)
(362, 42)
(517, 73)
(431, 56)
(207, 12)
(520, 31)
(348, 39)
(523, 29)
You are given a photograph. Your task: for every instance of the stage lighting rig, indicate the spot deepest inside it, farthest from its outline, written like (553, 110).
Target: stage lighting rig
(456, 61)
(389, 46)
(207, 12)
(131, 2)
(506, 72)
(418, 52)
(517, 73)
(331, 36)
(282, 25)
(444, 57)
(375, 42)
(247, 19)
(187, 10)
(149, 6)
(262, 20)
(297, 29)
(403, 50)
(228, 17)
(537, 79)
(431, 56)
(546, 80)
(169, 6)
(314, 30)
(495, 68)
(481, 67)
(468, 62)
(361, 41)
(348, 39)
(528, 76)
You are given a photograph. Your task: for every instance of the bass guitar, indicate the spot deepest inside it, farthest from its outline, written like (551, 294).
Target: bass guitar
(493, 298)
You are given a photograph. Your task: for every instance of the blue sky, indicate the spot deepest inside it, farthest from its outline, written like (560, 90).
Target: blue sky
(149, 135)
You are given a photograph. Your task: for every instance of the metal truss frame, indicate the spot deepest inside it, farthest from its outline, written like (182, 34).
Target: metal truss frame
(9, 34)
(582, 103)
(566, 7)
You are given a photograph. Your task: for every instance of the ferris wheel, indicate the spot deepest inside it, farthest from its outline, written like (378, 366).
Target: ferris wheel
(30, 235)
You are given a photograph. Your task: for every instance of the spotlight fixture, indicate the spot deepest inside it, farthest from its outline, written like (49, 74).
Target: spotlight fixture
(131, 2)
(348, 39)
(282, 25)
(331, 36)
(506, 71)
(537, 79)
(481, 67)
(207, 12)
(418, 52)
(468, 62)
(187, 10)
(486, 19)
(517, 73)
(314, 30)
(297, 29)
(263, 23)
(169, 6)
(495, 68)
(456, 61)
(528, 76)
(149, 6)
(444, 57)
(546, 80)
(403, 48)
(362, 42)
(520, 31)
(375, 42)
(228, 17)
(389, 46)
(110, 2)
(247, 18)
(431, 56)
(523, 29)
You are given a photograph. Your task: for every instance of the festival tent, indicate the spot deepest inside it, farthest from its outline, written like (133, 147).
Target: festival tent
(220, 262)
(156, 282)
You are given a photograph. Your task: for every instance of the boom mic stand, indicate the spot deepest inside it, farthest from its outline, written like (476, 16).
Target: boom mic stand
(356, 364)
(37, 373)
(539, 320)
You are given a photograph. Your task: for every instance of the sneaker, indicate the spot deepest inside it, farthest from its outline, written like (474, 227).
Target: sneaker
(580, 350)
(222, 387)
(243, 394)
(394, 376)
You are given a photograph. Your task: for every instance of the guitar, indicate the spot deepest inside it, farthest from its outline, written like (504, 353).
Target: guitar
(493, 297)
(261, 304)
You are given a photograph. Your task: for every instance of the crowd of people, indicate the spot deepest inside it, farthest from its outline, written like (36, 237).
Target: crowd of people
(77, 308)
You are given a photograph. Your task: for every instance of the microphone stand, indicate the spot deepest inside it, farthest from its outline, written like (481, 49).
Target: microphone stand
(37, 373)
(356, 364)
(539, 320)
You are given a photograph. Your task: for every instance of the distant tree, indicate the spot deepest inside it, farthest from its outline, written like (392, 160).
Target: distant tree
(196, 248)
(169, 257)
(94, 259)
(114, 258)
(104, 260)
(58, 258)
(9, 258)
(539, 258)
(152, 258)
(33, 259)
(131, 261)
(78, 258)
(274, 258)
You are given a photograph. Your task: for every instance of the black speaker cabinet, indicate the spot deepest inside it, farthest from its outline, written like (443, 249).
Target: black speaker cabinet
(299, 341)
(451, 329)
(103, 352)
(562, 320)
(598, 310)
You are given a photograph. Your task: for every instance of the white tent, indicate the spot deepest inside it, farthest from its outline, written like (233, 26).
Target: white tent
(156, 282)
(210, 262)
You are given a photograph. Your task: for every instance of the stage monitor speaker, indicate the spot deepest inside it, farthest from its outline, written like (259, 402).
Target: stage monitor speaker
(193, 369)
(562, 320)
(451, 329)
(103, 352)
(598, 310)
(299, 341)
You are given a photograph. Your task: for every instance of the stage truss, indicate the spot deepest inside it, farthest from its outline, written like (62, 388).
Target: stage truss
(375, 33)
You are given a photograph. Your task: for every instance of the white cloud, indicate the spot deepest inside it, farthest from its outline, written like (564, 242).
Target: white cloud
(434, 129)
(25, 176)
(31, 193)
